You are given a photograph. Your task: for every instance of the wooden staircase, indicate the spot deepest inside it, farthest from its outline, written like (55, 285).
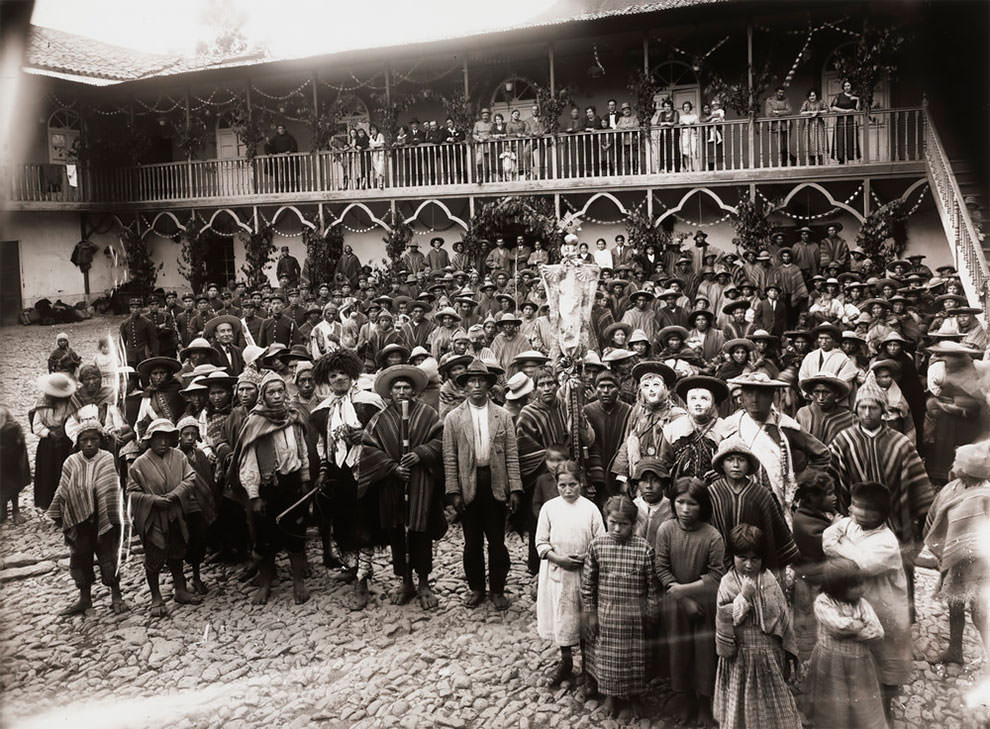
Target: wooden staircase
(976, 198)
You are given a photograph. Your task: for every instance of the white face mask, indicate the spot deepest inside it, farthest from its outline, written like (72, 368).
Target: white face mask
(653, 388)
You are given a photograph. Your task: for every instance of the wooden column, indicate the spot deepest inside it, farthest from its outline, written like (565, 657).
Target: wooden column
(316, 152)
(189, 172)
(749, 85)
(467, 87)
(553, 74)
(646, 53)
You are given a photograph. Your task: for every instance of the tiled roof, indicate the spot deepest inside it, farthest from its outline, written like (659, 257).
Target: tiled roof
(74, 57)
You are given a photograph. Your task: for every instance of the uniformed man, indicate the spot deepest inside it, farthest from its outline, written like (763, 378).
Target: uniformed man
(279, 328)
(138, 334)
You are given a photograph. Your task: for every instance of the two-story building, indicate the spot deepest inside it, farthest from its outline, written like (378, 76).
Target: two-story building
(116, 141)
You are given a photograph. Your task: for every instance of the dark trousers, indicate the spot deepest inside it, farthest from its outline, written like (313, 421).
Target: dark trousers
(411, 552)
(86, 544)
(272, 537)
(484, 518)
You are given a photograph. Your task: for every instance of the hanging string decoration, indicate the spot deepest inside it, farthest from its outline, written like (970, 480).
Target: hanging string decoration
(817, 216)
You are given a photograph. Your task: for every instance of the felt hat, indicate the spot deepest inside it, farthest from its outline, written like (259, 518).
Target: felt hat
(388, 349)
(452, 360)
(852, 336)
(893, 336)
(840, 387)
(795, 333)
(493, 365)
(958, 310)
(805, 229)
(617, 355)
(644, 293)
(591, 359)
(955, 298)
(646, 465)
(210, 329)
(672, 331)
(203, 370)
(714, 385)
(734, 445)
(733, 305)
(652, 367)
(707, 313)
(894, 284)
(199, 344)
(519, 386)
(762, 335)
(530, 355)
(196, 384)
(886, 364)
(973, 460)
(835, 224)
(755, 379)
(295, 352)
(218, 377)
(385, 378)
(619, 326)
(251, 353)
(418, 352)
(741, 342)
(869, 303)
(172, 365)
(828, 328)
(507, 318)
(161, 425)
(949, 348)
(669, 293)
(57, 384)
(618, 282)
(763, 255)
(383, 300)
(638, 336)
(476, 368)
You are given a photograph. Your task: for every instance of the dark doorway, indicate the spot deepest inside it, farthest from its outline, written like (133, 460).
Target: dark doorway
(10, 281)
(220, 266)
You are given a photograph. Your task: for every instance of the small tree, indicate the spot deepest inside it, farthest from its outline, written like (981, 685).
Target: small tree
(192, 259)
(552, 105)
(143, 271)
(641, 232)
(752, 223)
(881, 235)
(259, 251)
(871, 58)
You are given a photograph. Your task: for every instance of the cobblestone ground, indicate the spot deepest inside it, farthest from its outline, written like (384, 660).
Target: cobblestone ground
(229, 664)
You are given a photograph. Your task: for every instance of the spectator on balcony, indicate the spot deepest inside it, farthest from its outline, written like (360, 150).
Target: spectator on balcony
(628, 124)
(376, 142)
(591, 153)
(612, 115)
(780, 131)
(533, 150)
(813, 140)
(453, 167)
(606, 149)
(285, 173)
(845, 140)
(714, 139)
(352, 161)
(689, 138)
(666, 137)
(288, 266)
(481, 133)
(362, 142)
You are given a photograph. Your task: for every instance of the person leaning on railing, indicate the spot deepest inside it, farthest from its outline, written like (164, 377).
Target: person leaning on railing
(628, 124)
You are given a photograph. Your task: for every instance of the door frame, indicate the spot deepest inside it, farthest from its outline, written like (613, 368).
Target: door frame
(17, 294)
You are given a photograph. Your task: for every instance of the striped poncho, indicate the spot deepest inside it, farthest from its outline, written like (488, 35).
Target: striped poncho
(888, 458)
(824, 425)
(88, 487)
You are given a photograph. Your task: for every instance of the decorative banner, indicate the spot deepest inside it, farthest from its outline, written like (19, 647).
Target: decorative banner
(571, 287)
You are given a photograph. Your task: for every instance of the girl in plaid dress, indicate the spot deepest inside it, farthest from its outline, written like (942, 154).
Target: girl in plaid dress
(619, 590)
(754, 641)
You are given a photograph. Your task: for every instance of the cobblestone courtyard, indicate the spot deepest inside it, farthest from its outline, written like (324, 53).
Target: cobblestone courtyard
(230, 664)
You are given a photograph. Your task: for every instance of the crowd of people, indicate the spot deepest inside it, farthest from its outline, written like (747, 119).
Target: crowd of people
(764, 446)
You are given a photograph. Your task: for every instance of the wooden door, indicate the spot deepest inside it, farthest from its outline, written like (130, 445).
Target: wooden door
(877, 136)
(10, 281)
(233, 170)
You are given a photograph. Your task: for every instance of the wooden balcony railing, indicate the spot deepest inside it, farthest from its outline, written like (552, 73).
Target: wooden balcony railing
(654, 155)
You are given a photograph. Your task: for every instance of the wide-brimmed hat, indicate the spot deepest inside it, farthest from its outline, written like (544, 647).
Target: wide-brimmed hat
(616, 327)
(476, 368)
(196, 384)
(388, 349)
(886, 364)
(507, 318)
(419, 351)
(385, 378)
(591, 359)
(894, 336)
(161, 425)
(169, 363)
(762, 335)
(210, 329)
(452, 360)
(874, 302)
(828, 328)
(493, 365)
(733, 305)
(530, 355)
(957, 310)
(652, 367)
(755, 379)
(199, 344)
(957, 298)
(617, 355)
(218, 377)
(795, 333)
(731, 445)
(519, 386)
(297, 352)
(672, 330)
(849, 335)
(740, 342)
(649, 295)
(714, 385)
(638, 336)
(841, 387)
(57, 384)
(954, 348)
(707, 313)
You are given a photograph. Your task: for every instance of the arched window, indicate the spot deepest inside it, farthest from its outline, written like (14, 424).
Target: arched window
(678, 81)
(63, 136)
(513, 93)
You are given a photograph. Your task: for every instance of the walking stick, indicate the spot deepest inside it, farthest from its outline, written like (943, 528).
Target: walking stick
(404, 432)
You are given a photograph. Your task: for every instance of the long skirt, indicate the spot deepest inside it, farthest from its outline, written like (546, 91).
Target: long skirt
(845, 139)
(750, 690)
(842, 690)
(51, 454)
(688, 647)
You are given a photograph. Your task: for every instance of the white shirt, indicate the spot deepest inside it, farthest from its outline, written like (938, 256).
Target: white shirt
(482, 438)
(603, 258)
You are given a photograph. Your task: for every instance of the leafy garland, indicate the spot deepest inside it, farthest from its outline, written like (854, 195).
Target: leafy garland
(752, 223)
(322, 253)
(143, 271)
(552, 106)
(641, 232)
(397, 238)
(873, 56)
(259, 251)
(192, 257)
(251, 125)
(644, 88)
(734, 91)
(534, 214)
(881, 235)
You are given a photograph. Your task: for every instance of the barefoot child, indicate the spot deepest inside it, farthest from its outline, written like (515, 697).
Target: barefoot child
(754, 641)
(564, 529)
(619, 589)
(690, 564)
(864, 538)
(158, 481)
(842, 690)
(87, 507)
(199, 505)
(955, 532)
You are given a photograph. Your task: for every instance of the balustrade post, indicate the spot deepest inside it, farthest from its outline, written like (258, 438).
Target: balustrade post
(751, 131)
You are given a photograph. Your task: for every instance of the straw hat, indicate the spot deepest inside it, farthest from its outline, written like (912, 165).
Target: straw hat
(160, 425)
(840, 387)
(756, 379)
(172, 365)
(57, 384)
(520, 385)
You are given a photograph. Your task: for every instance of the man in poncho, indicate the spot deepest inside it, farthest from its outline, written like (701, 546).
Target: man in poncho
(157, 482)
(404, 477)
(824, 417)
(87, 507)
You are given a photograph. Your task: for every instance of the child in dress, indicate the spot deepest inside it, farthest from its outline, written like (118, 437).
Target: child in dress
(738, 499)
(105, 363)
(814, 514)
(866, 540)
(955, 532)
(566, 525)
(619, 589)
(754, 641)
(690, 564)
(842, 690)
(651, 481)
(544, 489)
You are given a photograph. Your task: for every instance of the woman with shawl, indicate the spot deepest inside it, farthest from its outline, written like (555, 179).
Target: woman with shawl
(15, 471)
(47, 419)
(160, 396)
(92, 400)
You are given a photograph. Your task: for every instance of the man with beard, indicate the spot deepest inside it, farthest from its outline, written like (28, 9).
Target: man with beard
(608, 417)
(271, 464)
(689, 443)
(481, 465)
(339, 421)
(773, 437)
(400, 468)
(652, 411)
(823, 416)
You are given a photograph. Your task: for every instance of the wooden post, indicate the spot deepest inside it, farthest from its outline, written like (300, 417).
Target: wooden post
(749, 84)
(467, 87)
(189, 172)
(553, 70)
(866, 197)
(646, 53)
(82, 236)
(649, 204)
(316, 152)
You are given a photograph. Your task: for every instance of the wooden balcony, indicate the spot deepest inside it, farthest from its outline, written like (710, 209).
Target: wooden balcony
(887, 142)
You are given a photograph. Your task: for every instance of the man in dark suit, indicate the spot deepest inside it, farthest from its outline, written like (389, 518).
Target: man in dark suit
(231, 356)
(165, 327)
(621, 253)
(288, 266)
(138, 334)
(771, 312)
(279, 328)
(295, 309)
